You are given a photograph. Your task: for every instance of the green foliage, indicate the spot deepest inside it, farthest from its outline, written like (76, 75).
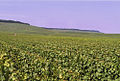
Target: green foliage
(49, 58)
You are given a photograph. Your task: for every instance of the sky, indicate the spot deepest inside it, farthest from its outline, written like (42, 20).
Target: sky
(78, 14)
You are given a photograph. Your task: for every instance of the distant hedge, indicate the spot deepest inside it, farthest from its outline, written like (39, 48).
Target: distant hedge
(12, 21)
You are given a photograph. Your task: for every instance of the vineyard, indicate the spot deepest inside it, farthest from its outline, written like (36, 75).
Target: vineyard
(51, 58)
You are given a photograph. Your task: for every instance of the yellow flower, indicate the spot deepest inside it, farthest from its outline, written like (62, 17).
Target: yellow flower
(6, 64)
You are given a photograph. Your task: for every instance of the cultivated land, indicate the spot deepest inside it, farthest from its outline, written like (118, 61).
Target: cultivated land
(38, 54)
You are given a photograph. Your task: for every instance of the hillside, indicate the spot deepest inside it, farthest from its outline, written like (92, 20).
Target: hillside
(21, 27)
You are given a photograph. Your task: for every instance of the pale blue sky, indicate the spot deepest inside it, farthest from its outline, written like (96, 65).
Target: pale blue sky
(94, 15)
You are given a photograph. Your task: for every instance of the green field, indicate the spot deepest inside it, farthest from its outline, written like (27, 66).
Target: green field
(33, 57)
(29, 29)
(39, 54)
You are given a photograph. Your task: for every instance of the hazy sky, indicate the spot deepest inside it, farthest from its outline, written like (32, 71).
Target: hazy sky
(94, 15)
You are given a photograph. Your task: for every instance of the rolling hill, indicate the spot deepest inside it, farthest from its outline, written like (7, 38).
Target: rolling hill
(21, 27)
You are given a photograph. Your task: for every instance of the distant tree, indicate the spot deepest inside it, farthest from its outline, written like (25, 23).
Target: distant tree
(12, 21)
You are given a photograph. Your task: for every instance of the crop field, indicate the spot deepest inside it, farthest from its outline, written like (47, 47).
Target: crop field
(55, 58)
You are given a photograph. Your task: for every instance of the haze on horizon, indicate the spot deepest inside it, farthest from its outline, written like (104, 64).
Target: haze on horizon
(86, 15)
